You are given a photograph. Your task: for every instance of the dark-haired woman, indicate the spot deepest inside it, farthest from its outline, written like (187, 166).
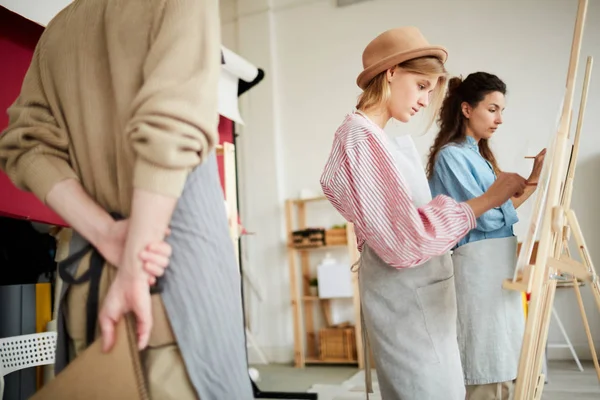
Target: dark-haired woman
(462, 165)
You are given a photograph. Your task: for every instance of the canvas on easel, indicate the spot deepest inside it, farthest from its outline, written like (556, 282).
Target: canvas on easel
(526, 251)
(553, 261)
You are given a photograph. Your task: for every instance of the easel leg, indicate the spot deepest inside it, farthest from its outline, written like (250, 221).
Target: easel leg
(530, 381)
(595, 287)
(587, 261)
(550, 291)
(539, 387)
(587, 328)
(595, 279)
(584, 254)
(254, 344)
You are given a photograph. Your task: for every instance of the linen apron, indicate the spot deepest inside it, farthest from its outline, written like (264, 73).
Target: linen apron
(409, 315)
(491, 319)
(201, 291)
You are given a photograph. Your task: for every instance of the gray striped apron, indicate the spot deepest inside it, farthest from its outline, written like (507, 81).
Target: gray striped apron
(491, 320)
(201, 291)
(409, 315)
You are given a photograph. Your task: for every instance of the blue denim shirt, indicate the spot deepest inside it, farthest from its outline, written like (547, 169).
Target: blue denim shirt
(462, 173)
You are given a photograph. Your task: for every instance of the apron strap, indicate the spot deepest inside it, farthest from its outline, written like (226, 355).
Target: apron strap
(365, 340)
(93, 275)
(354, 267)
(366, 355)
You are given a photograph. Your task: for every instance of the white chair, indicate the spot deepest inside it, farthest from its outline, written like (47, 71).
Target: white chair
(25, 351)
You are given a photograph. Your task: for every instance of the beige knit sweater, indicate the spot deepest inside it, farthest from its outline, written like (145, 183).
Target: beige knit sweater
(119, 94)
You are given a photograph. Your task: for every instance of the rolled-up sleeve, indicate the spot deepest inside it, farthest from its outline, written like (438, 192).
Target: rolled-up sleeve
(372, 194)
(34, 150)
(174, 116)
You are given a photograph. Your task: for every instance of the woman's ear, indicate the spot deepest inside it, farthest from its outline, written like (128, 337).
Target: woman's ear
(466, 109)
(390, 74)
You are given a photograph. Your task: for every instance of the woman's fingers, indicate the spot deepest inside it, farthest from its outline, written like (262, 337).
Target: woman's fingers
(153, 269)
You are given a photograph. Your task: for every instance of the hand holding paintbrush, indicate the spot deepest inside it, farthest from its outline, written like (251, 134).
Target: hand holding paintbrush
(536, 170)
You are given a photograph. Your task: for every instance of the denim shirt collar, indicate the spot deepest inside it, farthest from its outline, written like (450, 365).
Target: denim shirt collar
(471, 143)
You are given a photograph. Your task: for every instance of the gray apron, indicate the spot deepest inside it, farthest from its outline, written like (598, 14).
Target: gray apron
(202, 291)
(491, 320)
(410, 321)
(409, 315)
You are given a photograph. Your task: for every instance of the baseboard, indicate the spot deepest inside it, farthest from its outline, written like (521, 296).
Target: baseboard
(274, 354)
(284, 354)
(582, 351)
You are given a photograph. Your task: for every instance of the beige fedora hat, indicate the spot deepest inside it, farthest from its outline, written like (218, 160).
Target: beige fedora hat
(393, 47)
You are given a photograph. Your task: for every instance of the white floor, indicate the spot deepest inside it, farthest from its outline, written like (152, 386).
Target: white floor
(352, 389)
(566, 382)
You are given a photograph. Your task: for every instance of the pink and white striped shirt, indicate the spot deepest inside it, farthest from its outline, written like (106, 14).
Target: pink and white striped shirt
(362, 181)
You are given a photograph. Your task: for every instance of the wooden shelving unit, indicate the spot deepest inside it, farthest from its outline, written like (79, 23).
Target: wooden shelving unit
(306, 349)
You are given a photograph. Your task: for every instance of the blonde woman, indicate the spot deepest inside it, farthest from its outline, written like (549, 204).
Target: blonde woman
(378, 184)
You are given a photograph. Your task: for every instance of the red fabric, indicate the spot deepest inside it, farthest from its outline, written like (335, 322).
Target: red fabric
(18, 37)
(226, 135)
(362, 182)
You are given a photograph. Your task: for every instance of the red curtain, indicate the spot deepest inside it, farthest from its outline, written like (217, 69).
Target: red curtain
(18, 37)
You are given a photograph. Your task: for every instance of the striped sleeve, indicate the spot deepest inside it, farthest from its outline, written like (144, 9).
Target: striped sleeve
(381, 208)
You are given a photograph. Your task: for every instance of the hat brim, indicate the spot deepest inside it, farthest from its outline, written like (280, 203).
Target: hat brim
(365, 76)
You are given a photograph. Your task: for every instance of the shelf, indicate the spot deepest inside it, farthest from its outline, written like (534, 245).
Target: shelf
(309, 200)
(304, 306)
(317, 298)
(568, 284)
(310, 248)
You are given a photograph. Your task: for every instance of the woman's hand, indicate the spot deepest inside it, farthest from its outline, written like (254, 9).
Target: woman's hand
(129, 292)
(538, 164)
(155, 256)
(507, 185)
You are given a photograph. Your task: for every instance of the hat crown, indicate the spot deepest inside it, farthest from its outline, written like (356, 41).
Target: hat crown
(393, 41)
(393, 47)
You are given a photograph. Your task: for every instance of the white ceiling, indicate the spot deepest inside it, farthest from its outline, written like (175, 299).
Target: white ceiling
(232, 9)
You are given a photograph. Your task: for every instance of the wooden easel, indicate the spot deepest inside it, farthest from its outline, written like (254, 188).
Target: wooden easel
(227, 151)
(558, 220)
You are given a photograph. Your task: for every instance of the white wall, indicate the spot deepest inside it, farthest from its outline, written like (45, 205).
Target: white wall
(37, 11)
(311, 52)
